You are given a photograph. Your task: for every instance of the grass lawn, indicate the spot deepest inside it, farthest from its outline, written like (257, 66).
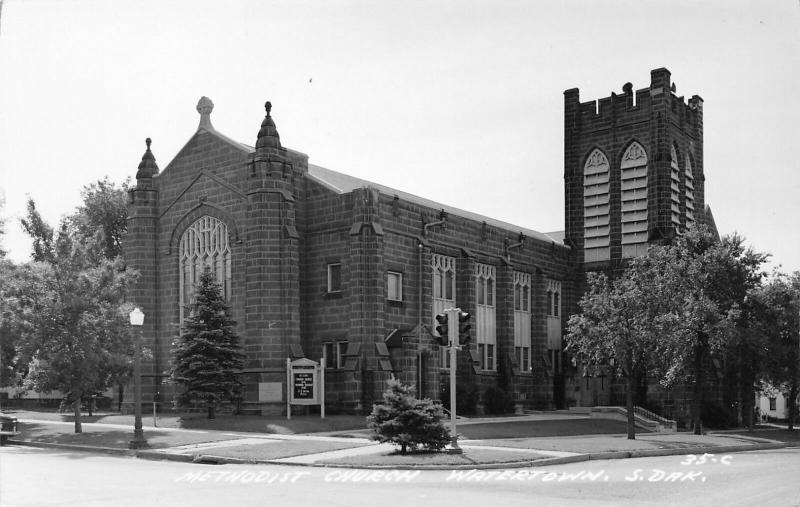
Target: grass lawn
(532, 429)
(470, 456)
(113, 438)
(280, 449)
(773, 434)
(245, 423)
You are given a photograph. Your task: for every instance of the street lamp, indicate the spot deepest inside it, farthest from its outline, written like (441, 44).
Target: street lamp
(138, 442)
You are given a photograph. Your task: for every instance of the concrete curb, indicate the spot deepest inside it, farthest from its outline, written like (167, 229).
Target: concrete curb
(643, 453)
(73, 447)
(210, 459)
(158, 456)
(719, 449)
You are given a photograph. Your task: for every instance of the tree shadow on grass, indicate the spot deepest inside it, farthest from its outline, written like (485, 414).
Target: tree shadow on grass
(532, 429)
(101, 438)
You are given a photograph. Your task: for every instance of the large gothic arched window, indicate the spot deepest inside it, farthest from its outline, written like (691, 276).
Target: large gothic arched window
(204, 245)
(634, 201)
(596, 231)
(675, 187)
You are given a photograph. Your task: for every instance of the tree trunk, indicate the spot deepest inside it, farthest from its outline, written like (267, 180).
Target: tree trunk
(212, 411)
(699, 380)
(629, 406)
(792, 404)
(76, 405)
(749, 398)
(740, 408)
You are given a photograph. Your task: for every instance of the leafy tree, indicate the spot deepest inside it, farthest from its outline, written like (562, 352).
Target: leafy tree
(72, 317)
(780, 300)
(669, 311)
(619, 324)
(706, 282)
(403, 420)
(103, 212)
(12, 306)
(207, 356)
(40, 232)
(2, 225)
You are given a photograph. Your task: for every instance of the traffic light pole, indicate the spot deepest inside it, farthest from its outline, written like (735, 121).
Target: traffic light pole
(452, 332)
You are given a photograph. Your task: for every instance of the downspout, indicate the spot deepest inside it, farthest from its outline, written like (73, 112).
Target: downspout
(510, 246)
(421, 324)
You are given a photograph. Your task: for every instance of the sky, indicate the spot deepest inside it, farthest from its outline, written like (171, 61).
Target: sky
(460, 101)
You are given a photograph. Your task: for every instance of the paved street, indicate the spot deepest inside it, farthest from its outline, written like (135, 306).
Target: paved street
(30, 476)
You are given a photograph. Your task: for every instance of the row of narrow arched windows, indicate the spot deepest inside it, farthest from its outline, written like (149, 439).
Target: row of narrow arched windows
(634, 219)
(203, 245)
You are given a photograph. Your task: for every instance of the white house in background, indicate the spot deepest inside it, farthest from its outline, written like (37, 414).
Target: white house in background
(773, 403)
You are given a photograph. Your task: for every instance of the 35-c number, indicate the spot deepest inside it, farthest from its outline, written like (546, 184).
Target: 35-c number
(692, 459)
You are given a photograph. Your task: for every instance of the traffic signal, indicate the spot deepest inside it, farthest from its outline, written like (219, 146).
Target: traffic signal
(463, 328)
(443, 330)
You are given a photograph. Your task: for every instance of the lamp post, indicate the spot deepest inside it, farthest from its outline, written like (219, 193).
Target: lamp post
(138, 442)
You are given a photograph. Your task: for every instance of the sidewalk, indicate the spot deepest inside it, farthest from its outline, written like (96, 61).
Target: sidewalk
(333, 448)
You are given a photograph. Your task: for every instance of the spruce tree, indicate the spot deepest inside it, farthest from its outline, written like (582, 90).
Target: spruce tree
(207, 356)
(406, 421)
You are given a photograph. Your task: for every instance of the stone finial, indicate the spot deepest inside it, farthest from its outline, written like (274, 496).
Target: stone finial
(204, 107)
(268, 135)
(147, 167)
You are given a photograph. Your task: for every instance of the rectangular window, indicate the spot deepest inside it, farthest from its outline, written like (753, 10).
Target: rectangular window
(394, 286)
(773, 404)
(525, 299)
(522, 319)
(334, 277)
(334, 352)
(522, 355)
(553, 315)
(553, 303)
(486, 314)
(449, 285)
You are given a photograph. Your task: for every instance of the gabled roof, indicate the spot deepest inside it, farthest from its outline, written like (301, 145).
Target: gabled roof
(344, 183)
(710, 222)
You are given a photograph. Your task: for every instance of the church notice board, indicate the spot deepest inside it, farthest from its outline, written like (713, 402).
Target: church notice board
(305, 382)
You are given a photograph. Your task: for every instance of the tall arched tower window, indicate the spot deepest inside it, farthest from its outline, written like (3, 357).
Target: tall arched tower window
(675, 187)
(204, 245)
(595, 208)
(634, 201)
(689, 192)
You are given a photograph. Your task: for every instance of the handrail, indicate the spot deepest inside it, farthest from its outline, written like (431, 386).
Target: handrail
(647, 414)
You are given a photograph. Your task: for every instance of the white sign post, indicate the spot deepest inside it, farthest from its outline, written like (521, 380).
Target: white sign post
(305, 384)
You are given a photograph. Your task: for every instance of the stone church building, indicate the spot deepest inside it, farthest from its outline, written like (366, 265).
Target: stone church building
(316, 263)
